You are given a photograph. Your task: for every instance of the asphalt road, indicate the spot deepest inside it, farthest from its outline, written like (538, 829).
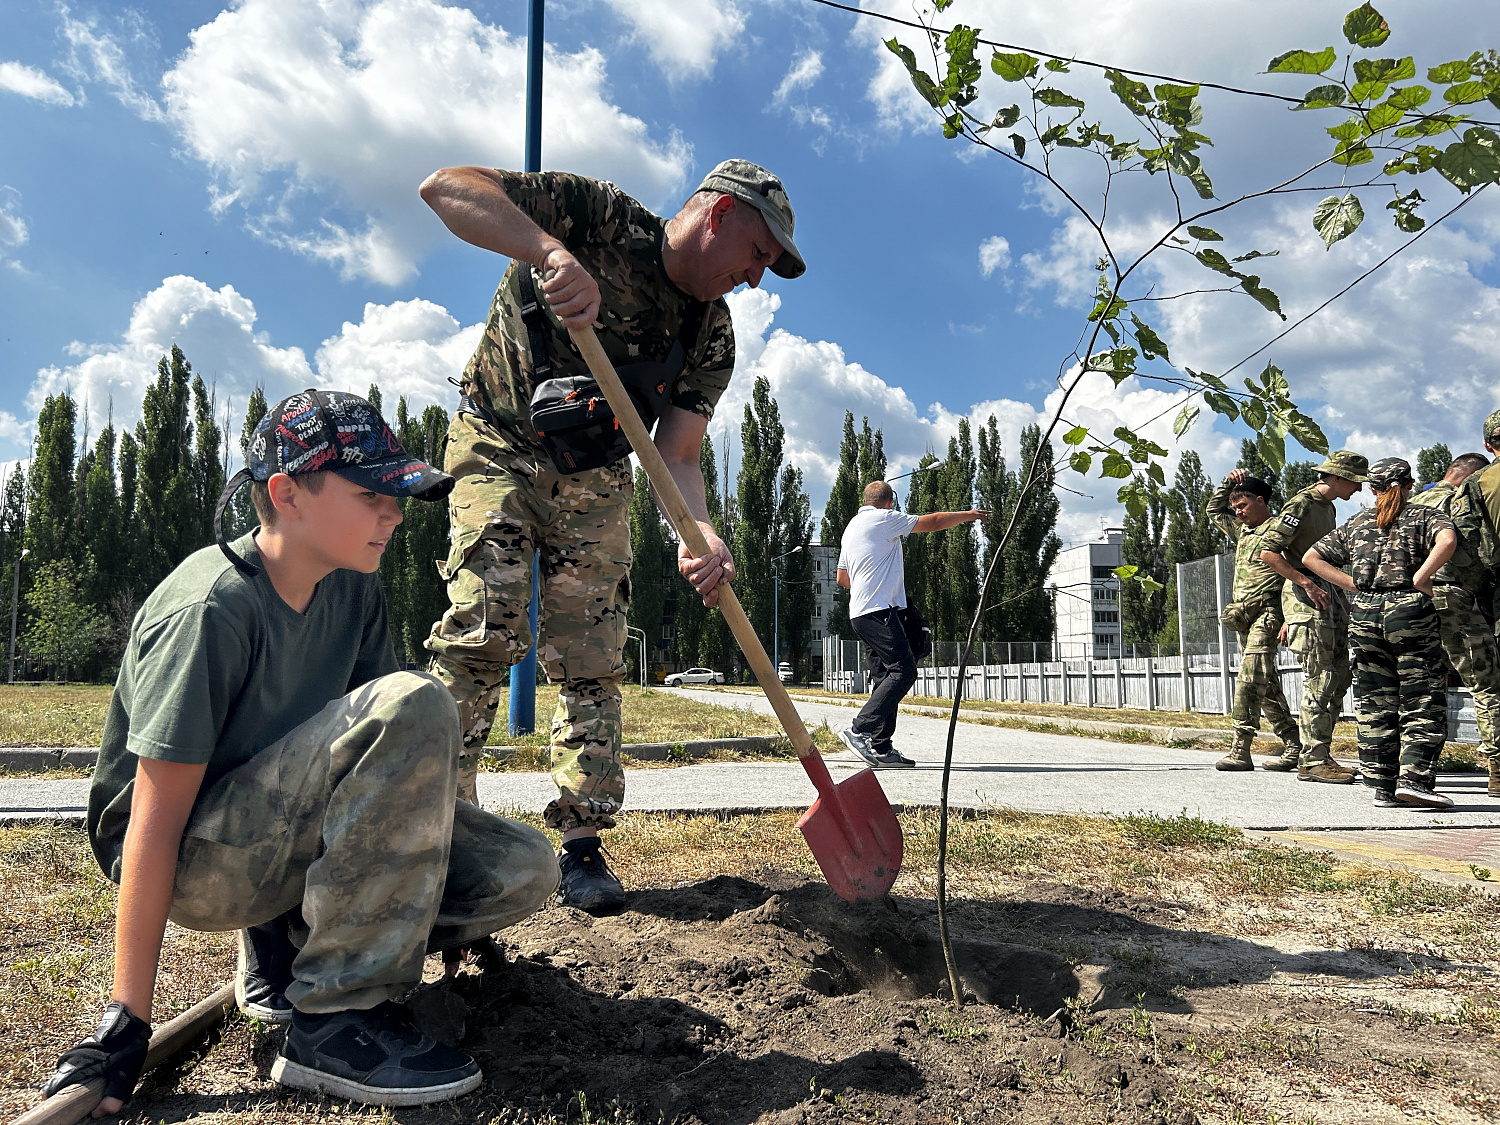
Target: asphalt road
(993, 766)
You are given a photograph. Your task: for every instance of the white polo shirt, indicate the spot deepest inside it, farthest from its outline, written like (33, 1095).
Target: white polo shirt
(871, 552)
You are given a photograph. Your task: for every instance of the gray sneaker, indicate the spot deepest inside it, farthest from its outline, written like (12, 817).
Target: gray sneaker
(859, 743)
(891, 759)
(1414, 791)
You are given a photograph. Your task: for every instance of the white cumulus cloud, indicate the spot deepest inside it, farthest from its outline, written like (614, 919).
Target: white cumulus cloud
(994, 254)
(806, 69)
(98, 55)
(684, 37)
(407, 347)
(320, 120)
(38, 85)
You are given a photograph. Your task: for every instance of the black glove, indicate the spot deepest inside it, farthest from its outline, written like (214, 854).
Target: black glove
(116, 1052)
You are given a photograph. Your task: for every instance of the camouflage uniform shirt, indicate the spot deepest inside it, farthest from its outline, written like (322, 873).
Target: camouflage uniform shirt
(1303, 520)
(1384, 560)
(1253, 579)
(1462, 507)
(641, 312)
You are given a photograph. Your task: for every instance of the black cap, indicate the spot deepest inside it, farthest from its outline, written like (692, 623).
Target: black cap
(312, 431)
(1252, 486)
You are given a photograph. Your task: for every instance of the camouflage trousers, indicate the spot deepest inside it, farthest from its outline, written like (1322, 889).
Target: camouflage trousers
(351, 817)
(505, 509)
(1322, 647)
(1257, 689)
(1400, 685)
(1471, 650)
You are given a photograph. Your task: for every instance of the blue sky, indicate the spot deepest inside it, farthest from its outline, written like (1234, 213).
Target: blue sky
(242, 181)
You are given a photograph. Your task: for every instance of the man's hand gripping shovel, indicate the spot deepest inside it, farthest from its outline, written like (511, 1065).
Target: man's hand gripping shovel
(851, 827)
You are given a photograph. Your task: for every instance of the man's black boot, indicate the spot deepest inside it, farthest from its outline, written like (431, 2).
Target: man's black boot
(265, 971)
(587, 881)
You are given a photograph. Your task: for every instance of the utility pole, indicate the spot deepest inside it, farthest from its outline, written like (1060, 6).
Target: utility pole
(776, 607)
(523, 675)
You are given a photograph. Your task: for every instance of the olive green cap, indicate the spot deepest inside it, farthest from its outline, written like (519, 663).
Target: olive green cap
(1492, 426)
(763, 191)
(1347, 464)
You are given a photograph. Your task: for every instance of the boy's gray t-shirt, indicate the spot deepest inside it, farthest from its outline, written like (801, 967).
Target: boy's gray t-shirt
(218, 667)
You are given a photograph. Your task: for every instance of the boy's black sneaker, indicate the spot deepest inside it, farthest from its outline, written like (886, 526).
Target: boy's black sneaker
(1411, 790)
(587, 881)
(377, 1057)
(264, 972)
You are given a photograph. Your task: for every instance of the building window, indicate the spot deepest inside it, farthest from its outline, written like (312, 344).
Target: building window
(1102, 573)
(1104, 594)
(1106, 616)
(1109, 640)
(817, 634)
(817, 587)
(818, 612)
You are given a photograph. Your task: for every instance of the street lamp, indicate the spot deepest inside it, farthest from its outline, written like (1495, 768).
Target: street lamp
(920, 469)
(15, 598)
(639, 635)
(776, 607)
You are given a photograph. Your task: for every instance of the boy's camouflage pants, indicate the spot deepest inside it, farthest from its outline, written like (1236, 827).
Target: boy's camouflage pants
(352, 817)
(1257, 689)
(504, 508)
(1470, 647)
(1400, 685)
(1322, 647)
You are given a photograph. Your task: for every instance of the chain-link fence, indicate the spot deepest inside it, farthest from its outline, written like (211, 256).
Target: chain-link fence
(1203, 590)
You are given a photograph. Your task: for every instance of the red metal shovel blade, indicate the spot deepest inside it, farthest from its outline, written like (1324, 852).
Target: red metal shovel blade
(855, 838)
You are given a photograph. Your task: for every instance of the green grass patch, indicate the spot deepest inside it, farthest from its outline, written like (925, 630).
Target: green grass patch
(1181, 831)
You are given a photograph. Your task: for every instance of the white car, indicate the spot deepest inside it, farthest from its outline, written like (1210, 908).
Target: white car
(695, 676)
(784, 672)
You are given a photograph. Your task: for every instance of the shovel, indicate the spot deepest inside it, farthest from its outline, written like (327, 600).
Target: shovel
(851, 827)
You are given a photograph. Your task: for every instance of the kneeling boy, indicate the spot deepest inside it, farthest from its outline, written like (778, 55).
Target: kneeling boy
(265, 765)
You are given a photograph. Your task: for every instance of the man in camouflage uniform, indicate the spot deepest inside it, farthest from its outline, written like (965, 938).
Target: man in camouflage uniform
(1483, 490)
(1468, 640)
(1400, 679)
(1317, 617)
(645, 284)
(1255, 613)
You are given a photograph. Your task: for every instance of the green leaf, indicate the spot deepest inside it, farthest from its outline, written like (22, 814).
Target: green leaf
(1205, 377)
(1272, 449)
(1365, 27)
(1076, 436)
(1127, 571)
(1409, 97)
(1431, 125)
(1204, 234)
(1253, 411)
(1057, 66)
(1018, 143)
(1405, 207)
(1273, 379)
(1133, 496)
(1201, 183)
(1382, 117)
(1151, 344)
(1079, 462)
(1351, 153)
(1154, 471)
(1351, 130)
(1185, 419)
(1214, 260)
(1473, 161)
(1222, 404)
(1364, 91)
(1307, 432)
(1132, 94)
(1057, 99)
(1257, 254)
(1322, 97)
(1338, 217)
(1456, 71)
(1006, 117)
(1385, 70)
(1117, 363)
(1013, 67)
(1303, 62)
(1146, 582)
(1169, 91)
(1108, 308)
(1465, 92)
(1116, 466)
(919, 78)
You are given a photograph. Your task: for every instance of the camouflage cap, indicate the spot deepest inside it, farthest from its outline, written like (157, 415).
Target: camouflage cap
(1347, 464)
(1388, 471)
(1492, 426)
(764, 192)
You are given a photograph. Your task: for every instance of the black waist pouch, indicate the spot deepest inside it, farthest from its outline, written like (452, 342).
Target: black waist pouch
(918, 632)
(578, 427)
(572, 418)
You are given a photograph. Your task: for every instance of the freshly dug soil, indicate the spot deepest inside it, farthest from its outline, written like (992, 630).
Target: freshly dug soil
(767, 999)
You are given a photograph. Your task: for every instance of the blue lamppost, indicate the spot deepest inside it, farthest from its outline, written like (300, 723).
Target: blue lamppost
(922, 469)
(523, 675)
(776, 606)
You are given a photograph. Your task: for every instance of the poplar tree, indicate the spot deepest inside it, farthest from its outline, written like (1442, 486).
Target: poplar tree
(794, 532)
(991, 488)
(206, 472)
(49, 527)
(1143, 613)
(762, 439)
(240, 516)
(165, 499)
(689, 615)
(1027, 611)
(861, 460)
(1432, 464)
(715, 646)
(648, 552)
(103, 539)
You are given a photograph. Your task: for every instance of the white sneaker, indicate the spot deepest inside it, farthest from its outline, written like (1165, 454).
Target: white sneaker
(1414, 791)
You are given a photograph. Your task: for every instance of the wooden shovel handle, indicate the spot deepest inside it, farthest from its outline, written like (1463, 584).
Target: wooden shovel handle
(689, 532)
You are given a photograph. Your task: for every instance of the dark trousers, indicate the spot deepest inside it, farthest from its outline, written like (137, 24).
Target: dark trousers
(892, 672)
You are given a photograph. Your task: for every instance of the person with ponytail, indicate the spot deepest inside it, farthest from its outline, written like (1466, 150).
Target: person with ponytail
(1392, 552)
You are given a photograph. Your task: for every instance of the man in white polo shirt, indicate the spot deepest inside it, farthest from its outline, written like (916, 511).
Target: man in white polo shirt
(872, 570)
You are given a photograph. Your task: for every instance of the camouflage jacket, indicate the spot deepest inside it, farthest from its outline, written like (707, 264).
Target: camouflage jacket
(641, 311)
(1483, 491)
(1462, 508)
(1384, 560)
(1253, 579)
(1302, 521)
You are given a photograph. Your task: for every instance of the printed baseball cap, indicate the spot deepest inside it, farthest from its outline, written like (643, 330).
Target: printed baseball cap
(1347, 464)
(763, 191)
(1492, 425)
(1388, 471)
(312, 431)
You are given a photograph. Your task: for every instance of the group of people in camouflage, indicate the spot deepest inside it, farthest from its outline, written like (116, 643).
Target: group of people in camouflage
(1387, 602)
